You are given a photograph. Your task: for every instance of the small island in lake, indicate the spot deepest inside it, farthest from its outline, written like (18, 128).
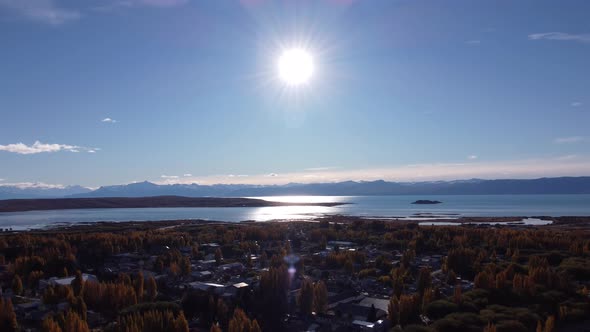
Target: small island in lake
(426, 201)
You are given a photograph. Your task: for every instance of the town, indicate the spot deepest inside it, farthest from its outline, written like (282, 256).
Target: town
(336, 274)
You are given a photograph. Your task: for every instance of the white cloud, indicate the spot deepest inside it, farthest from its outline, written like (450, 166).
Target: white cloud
(33, 185)
(168, 177)
(571, 139)
(472, 157)
(530, 168)
(576, 104)
(109, 120)
(162, 3)
(46, 11)
(187, 175)
(317, 169)
(119, 4)
(39, 147)
(583, 38)
(473, 42)
(1, 180)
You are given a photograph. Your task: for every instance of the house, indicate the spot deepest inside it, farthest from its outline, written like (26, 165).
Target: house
(231, 268)
(202, 275)
(207, 287)
(354, 311)
(360, 325)
(64, 281)
(381, 304)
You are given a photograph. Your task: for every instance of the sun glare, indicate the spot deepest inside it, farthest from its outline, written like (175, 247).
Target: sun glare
(295, 66)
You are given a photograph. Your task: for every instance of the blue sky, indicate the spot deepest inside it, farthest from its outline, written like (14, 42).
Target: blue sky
(114, 91)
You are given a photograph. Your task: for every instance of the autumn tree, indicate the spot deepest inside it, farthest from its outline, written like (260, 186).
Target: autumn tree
(78, 283)
(393, 310)
(17, 285)
(185, 266)
(424, 280)
(50, 325)
(549, 324)
(74, 323)
(490, 327)
(320, 297)
(457, 294)
(8, 320)
(218, 256)
(138, 286)
(152, 289)
(241, 323)
(305, 297)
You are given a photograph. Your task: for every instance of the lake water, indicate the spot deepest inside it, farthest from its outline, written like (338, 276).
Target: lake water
(369, 206)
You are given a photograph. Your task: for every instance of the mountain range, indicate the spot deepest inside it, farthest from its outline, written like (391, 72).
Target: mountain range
(560, 185)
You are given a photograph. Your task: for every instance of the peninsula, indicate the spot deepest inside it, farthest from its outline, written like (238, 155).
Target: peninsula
(19, 205)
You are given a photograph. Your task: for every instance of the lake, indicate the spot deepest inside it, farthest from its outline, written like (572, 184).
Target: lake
(453, 206)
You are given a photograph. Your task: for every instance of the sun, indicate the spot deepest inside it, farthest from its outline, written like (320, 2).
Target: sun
(295, 66)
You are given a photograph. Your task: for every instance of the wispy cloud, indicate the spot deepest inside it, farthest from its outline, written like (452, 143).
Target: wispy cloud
(472, 157)
(169, 177)
(569, 165)
(187, 175)
(33, 185)
(319, 169)
(39, 147)
(121, 4)
(46, 11)
(109, 120)
(570, 139)
(473, 42)
(576, 104)
(583, 38)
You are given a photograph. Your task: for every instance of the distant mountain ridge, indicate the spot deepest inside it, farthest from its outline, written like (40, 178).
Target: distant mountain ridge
(40, 191)
(559, 185)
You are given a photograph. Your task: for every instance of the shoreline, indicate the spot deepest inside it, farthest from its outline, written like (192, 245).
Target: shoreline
(499, 222)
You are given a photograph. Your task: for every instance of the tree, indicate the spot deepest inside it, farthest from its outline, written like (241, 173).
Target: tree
(457, 294)
(490, 328)
(393, 310)
(320, 297)
(218, 256)
(305, 297)
(214, 328)
(74, 323)
(424, 280)
(372, 316)
(152, 289)
(17, 285)
(50, 325)
(549, 324)
(78, 283)
(241, 323)
(185, 266)
(8, 320)
(138, 286)
(181, 324)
